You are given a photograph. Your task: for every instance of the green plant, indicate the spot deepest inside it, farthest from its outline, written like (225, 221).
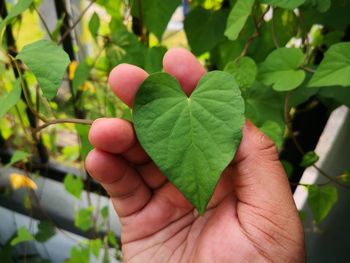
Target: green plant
(286, 56)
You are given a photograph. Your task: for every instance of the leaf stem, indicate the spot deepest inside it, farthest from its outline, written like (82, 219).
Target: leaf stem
(69, 30)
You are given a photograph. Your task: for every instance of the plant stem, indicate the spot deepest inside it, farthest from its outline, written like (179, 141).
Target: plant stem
(66, 120)
(76, 22)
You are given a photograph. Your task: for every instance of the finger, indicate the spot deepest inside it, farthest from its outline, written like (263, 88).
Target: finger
(185, 67)
(125, 80)
(151, 174)
(126, 188)
(259, 178)
(112, 135)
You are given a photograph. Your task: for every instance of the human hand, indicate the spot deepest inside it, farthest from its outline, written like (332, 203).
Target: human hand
(250, 218)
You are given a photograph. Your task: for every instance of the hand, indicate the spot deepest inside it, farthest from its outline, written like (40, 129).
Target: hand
(250, 218)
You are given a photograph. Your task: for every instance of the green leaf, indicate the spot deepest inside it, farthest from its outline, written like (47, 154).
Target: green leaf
(287, 4)
(23, 235)
(340, 94)
(112, 239)
(45, 231)
(280, 69)
(191, 139)
(244, 70)
(48, 62)
(94, 25)
(274, 132)
(83, 132)
(73, 185)
(16, 10)
(7, 101)
(154, 59)
(95, 246)
(321, 5)
(18, 156)
(83, 218)
(104, 212)
(81, 75)
(80, 255)
(204, 29)
(321, 200)
(264, 104)
(288, 167)
(155, 14)
(309, 159)
(237, 18)
(334, 68)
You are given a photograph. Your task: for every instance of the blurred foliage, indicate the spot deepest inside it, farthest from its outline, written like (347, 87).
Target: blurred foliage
(282, 53)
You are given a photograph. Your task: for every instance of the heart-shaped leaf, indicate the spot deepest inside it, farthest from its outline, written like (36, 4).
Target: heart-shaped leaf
(191, 139)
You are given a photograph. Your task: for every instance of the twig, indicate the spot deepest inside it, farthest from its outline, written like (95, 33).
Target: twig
(69, 30)
(44, 23)
(308, 69)
(254, 35)
(66, 120)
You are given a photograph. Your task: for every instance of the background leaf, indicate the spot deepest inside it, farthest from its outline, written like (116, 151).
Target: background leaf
(237, 18)
(309, 159)
(244, 70)
(288, 4)
(48, 62)
(7, 101)
(74, 185)
(18, 156)
(45, 231)
(94, 25)
(16, 10)
(280, 69)
(334, 68)
(155, 14)
(204, 29)
(23, 235)
(83, 218)
(321, 200)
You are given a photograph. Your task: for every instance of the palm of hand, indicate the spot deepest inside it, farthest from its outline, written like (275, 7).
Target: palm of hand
(251, 217)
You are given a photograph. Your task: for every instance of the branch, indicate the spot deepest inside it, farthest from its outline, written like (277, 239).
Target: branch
(273, 30)
(67, 120)
(308, 69)
(69, 30)
(254, 35)
(44, 23)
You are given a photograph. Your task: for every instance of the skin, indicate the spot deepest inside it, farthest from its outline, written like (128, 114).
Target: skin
(250, 218)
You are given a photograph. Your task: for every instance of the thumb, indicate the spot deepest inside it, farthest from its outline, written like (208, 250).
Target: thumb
(259, 179)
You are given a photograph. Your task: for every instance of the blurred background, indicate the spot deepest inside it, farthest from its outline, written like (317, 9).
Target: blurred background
(291, 60)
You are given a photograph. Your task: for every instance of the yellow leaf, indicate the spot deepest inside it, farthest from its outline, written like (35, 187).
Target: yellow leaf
(71, 69)
(87, 86)
(21, 181)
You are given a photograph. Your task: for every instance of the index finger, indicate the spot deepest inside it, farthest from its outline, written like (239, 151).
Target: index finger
(125, 79)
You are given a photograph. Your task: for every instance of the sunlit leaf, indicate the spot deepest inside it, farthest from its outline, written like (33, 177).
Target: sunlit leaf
(94, 25)
(83, 218)
(73, 185)
(18, 156)
(23, 235)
